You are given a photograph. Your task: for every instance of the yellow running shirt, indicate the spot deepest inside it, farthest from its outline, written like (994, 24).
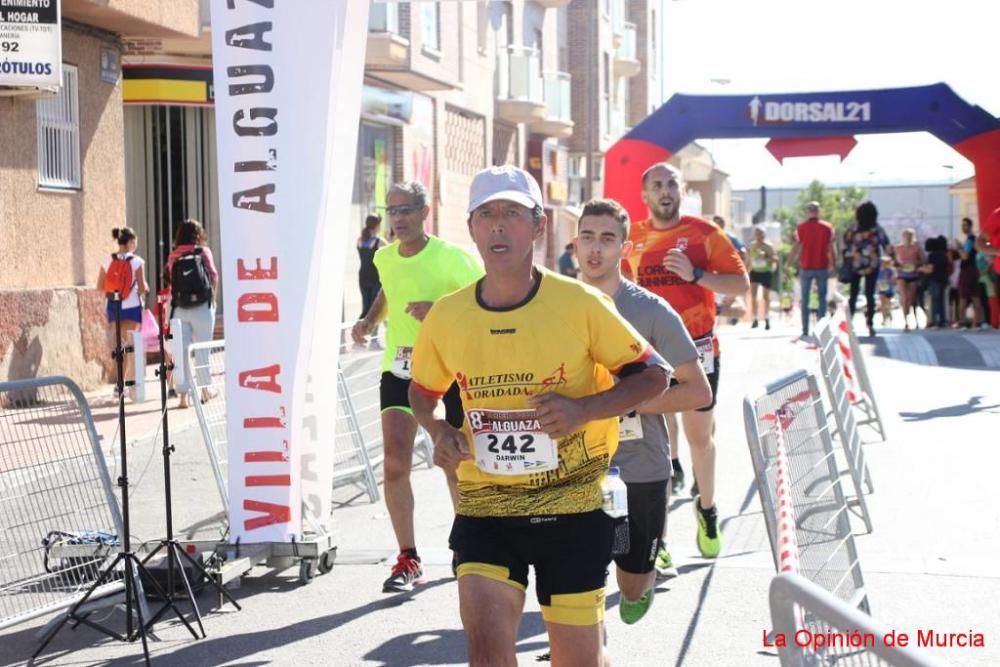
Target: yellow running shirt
(438, 269)
(566, 338)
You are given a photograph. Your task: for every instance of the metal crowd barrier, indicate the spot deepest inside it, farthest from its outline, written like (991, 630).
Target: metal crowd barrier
(843, 414)
(206, 366)
(351, 457)
(804, 615)
(358, 436)
(361, 372)
(59, 516)
(864, 399)
(827, 554)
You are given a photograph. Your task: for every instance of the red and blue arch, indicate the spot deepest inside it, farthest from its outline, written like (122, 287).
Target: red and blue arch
(969, 129)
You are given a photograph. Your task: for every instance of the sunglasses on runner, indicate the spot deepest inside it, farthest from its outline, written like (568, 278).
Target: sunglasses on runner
(402, 210)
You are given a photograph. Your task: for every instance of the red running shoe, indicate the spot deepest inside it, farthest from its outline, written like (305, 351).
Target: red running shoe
(406, 573)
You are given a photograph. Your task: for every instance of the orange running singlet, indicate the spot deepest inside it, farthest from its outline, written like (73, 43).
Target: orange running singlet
(708, 248)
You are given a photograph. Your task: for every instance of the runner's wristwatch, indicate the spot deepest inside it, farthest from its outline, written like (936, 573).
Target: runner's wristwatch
(696, 274)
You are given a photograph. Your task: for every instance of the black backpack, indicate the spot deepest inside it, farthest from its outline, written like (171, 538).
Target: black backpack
(189, 282)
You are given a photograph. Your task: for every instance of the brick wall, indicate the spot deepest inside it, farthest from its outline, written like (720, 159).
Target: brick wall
(505, 143)
(464, 154)
(638, 12)
(580, 18)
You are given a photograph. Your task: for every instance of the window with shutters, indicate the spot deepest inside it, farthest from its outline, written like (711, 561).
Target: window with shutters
(59, 135)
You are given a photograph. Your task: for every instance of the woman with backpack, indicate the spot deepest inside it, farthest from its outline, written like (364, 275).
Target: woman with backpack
(193, 281)
(122, 272)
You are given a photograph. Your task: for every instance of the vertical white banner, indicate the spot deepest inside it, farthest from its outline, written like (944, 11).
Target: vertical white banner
(284, 81)
(336, 240)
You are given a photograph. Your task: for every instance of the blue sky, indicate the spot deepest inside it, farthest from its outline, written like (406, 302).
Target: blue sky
(763, 46)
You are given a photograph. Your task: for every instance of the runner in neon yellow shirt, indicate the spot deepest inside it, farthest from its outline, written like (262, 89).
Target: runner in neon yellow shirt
(415, 271)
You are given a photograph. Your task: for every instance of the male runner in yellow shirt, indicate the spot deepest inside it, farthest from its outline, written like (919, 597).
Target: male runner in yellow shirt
(533, 354)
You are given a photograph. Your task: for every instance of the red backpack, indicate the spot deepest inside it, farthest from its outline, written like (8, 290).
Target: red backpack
(118, 277)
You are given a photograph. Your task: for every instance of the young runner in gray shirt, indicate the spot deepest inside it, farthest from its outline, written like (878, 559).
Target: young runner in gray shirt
(643, 455)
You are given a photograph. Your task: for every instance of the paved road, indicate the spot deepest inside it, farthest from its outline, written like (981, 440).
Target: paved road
(929, 564)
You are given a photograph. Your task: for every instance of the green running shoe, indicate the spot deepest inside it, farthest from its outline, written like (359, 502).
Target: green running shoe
(631, 612)
(664, 564)
(708, 538)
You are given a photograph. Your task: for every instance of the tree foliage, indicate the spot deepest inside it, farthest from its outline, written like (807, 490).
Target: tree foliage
(836, 207)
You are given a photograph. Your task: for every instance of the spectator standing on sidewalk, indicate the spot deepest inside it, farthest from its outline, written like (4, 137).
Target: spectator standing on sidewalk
(968, 279)
(813, 251)
(988, 291)
(863, 245)
(567, 266)
(737, 242)
(909, 258)
(937, 268)
(988, 247)
(954, 269)
(368, 281)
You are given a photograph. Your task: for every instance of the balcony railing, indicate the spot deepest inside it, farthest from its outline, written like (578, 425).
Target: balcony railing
(556, 119)
(557, 95)
(617, 19)
(383, 17)
(626, 59)
(627, 50)
(518, 75)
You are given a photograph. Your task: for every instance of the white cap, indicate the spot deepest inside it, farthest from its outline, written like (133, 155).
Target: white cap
(504, 182)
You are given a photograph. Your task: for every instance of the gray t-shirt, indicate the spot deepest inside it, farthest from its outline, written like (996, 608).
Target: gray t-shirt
(647, 459)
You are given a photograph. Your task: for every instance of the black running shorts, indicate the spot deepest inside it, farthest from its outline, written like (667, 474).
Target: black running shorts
(647, 512)
(570, 554)
(761, 278)
(713, 382)
(394, 394)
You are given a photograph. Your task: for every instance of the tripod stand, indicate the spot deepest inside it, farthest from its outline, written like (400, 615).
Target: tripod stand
(176, 555)
(126, 557)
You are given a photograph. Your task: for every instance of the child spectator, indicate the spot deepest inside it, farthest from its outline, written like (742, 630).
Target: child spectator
(886, 289)
(954, 270)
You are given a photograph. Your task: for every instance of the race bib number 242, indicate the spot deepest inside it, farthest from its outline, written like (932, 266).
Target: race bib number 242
(510, 442)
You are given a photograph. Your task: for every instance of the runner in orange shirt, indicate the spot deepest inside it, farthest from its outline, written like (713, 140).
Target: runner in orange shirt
(686, 260)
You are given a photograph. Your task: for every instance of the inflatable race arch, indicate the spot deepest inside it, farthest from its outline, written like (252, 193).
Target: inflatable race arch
(807, 124)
